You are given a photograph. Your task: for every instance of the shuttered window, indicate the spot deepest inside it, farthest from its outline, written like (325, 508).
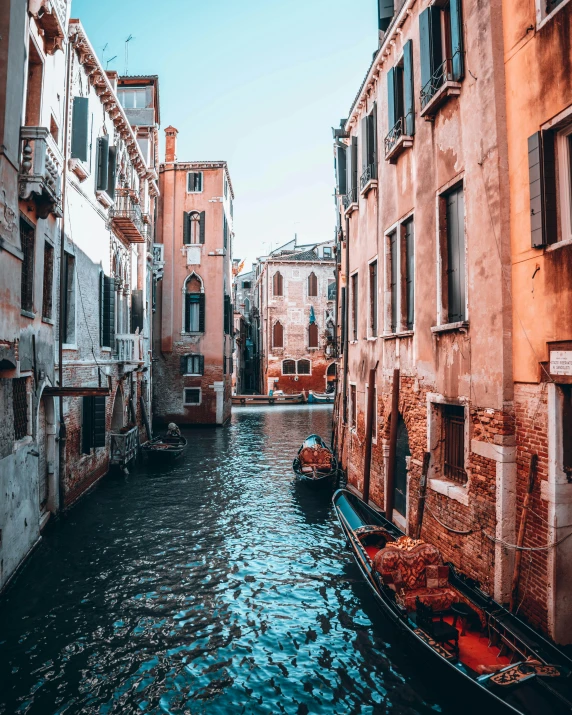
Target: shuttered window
(107, 311)
(312, 285)
(195, 312)
(195, 182)
(111, 171)
(48, 287)
(408, 89)
(453, 422)
(192, 364)
(80, 128)
(193, 227)
(192, 396)
(455, 258)
(385, 13)
(68, 326)
(343, 318)
(542, 182)
(393, 280)
(228, 315)
(225, 231)
(408, 236)
(19, 407)
(137, 311)
(27, 242)
(313, 335)
(278, 335)
(277, 284)
(355, 306)
(93, 423)
(373, 299)
(102, 163)
(341, 170)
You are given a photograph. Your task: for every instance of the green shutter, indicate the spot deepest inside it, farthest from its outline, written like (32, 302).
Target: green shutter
(542, 182)
(385, 11)
(99, 421)
(364, 143)
(188, 312)
(87, 425)
(355, 165)
(341, 170)
(408, 87)
(202, 313)
(391, 108)
(202, 228)
(186, 228)
(202, 364)
(429, 43)
(108, 312)
(102, 163)
(372, 139)
(80, 128)
(183, 364)
(112, 171)
(458, 65)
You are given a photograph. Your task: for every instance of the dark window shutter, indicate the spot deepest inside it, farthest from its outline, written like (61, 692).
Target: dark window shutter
(112, 171)
(355, 164)
(410, 273)
(102, 163)
(408, 89)
(99, 422)
(341, 170)
(456, 256)
(184, 364)
(535, 179)
(549, 186)
(393, 279)
(386, 11)
(87, 425)
(343, 317)
(108, 312)
(364, 152)
(391, 108)
(429, 42)
(458, 65)
(80, 128)
(313, 336)
(372, 137)
(188, 312)
(202, 228)
(202, 364)
(137, 310)
(202, 313)
(186, 228)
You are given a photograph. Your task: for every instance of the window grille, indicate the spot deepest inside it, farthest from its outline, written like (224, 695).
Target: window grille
(192, 396)
(20, 405)
(288, 367)
(454, 443)
(304, 367)
(27, 241)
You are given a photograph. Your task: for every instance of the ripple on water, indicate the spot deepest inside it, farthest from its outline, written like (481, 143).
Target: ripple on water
(215, 585)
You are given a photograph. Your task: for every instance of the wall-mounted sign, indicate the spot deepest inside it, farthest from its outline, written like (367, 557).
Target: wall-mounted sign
(561, 362)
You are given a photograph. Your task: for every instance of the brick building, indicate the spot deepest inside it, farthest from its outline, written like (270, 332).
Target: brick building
(194, 317)
(246, 363)
(295, 299)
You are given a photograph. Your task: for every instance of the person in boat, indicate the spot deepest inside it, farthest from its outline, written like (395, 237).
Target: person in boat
(173, 431)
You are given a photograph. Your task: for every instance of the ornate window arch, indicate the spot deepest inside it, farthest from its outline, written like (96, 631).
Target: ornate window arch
(193, 304)
(194, 227)
(312, 285)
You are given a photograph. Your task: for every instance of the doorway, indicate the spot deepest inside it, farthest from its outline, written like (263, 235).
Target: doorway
(402, 452)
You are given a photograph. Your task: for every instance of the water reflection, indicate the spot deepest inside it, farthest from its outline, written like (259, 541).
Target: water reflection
(211, 585)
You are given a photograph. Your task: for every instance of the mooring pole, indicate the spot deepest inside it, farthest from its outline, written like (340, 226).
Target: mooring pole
(390, 481)
(370, 417)
(422, 493)
(520, 539)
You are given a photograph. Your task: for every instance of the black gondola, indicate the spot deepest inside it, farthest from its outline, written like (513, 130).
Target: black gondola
(165, 447)
(315, 464)
(496, 664)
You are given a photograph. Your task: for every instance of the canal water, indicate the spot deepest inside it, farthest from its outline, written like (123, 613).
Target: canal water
(216, 585)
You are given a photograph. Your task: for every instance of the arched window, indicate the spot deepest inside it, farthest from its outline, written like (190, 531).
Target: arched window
(304, 367)
(313, 335)
(278, 335)
(288, 367)
(193, 227)
(278, 284)
(312, 285)
(332, 371)
(194, 305)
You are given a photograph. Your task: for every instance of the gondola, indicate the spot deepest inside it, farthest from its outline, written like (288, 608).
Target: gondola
(164, 447)
(278, 398)
(320, 397)
(315, 463)
(492, 662)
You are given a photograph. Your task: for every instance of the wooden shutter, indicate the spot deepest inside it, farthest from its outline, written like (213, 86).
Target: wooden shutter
(542, 181)
(102, 163)
(99, 421)
(278, 337)
(312, 285)
(313, 336)
(393, 280)
(183, 364)
(408, 89)
(391, 108)
(112, 171)
(341, 170)
(186, 228)
(108, 313)
(202, 364)
(202, 313)
(80, 128)
(343, 317)
(456, 256)
(458, 65)
(355, 165)
(409, 274)
(429, 42)
(202, 228)
(137, 310)
(386, 11)
(188, 312)
(87, 425)
(372, 139)
(364, 151)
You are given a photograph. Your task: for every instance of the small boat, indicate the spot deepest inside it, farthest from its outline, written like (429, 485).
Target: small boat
(495, 663)
(274, 398)
(320, 397)
(315, 463)
(165, 447)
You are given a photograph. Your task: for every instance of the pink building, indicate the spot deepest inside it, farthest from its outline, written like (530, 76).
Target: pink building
(194, 313)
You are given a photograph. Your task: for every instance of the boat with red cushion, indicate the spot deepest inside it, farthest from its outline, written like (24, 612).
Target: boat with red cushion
(315, 463)
(488, 659)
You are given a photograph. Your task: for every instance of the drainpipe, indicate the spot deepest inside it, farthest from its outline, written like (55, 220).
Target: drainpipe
(346, 321)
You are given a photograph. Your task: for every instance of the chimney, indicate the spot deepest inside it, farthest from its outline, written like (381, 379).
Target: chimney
(170, 144)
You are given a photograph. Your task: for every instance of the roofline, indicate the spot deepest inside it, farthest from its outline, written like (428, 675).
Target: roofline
(186, 165)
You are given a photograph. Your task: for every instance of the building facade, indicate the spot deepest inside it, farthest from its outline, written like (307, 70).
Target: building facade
(295, 288)
(194, 317)
(246, 363)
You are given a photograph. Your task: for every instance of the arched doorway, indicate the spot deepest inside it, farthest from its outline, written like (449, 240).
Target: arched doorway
(118, 414)
(331, 377)
(400, 483)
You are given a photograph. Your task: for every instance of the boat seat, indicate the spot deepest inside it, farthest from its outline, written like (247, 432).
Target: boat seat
(318, 457)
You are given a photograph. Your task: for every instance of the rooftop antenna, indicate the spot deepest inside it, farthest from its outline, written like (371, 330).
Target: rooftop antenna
(127, 41)
(110, 60)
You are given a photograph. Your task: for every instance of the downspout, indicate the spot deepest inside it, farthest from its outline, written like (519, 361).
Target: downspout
(62, 426)
(346, 321)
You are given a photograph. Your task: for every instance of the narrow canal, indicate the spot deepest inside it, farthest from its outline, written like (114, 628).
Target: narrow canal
(213, 586)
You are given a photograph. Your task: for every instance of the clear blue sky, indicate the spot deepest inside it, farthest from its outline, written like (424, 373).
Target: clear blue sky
(258, 83)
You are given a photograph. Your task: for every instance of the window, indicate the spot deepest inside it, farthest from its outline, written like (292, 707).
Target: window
(304, 367)
(93, 424)
(385, 12)
(344, 327)
(34, 87)
(399, 279)
(80, 128)
(193, 227)
(409, 250)
(192, 364)
(313, 335)
(545, 7)
(192, 396)
(68, 326)
(400, 101)
(564, 157)
(352, 173)
(441, 48)
(453, 425)
(288, 367)
(341, 170)
(355, 305)
(312, 285)
(327, 252)
(246, 284)
(195, 182)
(393, 285)
(47, 293)
(20, 407)
(453, 260)
(277, 284)
(136, 97)
(368, 148)
(27, 240)
(107, 311)
(374, 423)
(278, 335)
(353, 406)
(228, 315)
(373, 299)
(194, 306)
(224, 230)
(331, 290)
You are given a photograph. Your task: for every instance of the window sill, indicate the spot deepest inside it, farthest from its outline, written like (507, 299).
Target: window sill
(28, 314)
(559, 244)
(371, 184)
(351, 208)
(49, 321)
(76, 167)
(402, 334)
(372, 338)
(443, 94)
(404, 142)
(194, 192)
(192, 374)
(69, 346)
(105, 350)
(197, 334)
(449, 327)
(450, 490)
(194, 404)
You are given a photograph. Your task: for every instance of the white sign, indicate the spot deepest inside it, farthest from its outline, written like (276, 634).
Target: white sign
(193, 255)
(561, 362)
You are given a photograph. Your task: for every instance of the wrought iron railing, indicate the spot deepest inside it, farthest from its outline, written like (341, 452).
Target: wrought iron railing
(350, 197)
(368, 175)
(442, 74)
(394, 135)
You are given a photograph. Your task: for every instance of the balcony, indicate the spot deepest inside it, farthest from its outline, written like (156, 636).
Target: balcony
(126, 219)
(350, 201)
(124, 445)
(40, 174)
(368, 179)
(438, 89)
(397, 141)
(128, 348)
(50, 16)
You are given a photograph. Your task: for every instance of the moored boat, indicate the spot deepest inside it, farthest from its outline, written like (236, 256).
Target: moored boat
(165, 447)
(275, 398)
(315, 463)
(494, 662)
(320, 397)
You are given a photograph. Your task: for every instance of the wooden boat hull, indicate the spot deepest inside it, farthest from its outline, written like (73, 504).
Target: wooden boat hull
(244, 400)
(314, 469)
(320, 479)
(158, 450)
(466, 693)
(320, 397)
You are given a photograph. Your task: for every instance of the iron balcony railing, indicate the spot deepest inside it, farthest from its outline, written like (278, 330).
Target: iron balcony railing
(126, 218)
(394, 135)
(350, 197)
(442, 74)
(368, 175)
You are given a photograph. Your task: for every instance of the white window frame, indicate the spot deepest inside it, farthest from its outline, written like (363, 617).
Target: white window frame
(541, 17)
(369, 334)
(289, 374)
(304, 374)
(202, 182)
(192, 374)
(192, 404)
(564, 159)
(387, 302)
